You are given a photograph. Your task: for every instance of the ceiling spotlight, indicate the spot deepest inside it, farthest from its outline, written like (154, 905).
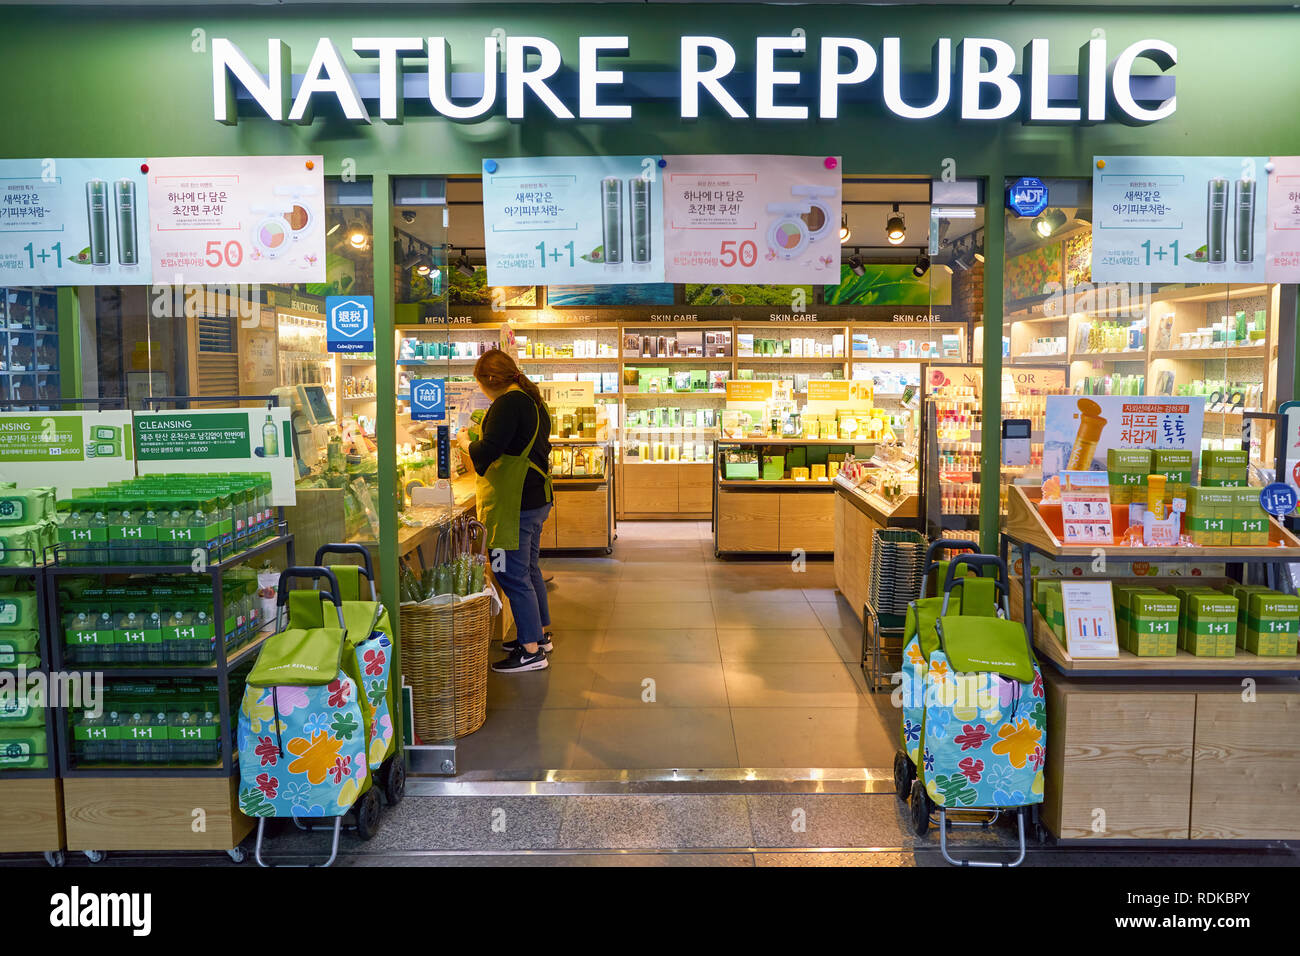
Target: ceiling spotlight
(895, 227)
(1048, 222)
(463, 265)
(424, 266)
(845, 232)
(856, 266)
(358, 234)
(922, 266)
(336, 223)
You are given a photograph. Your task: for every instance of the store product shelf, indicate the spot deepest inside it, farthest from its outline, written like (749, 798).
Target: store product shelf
(1043, 361)
(793, 359)
(709, 394)
(676, 360)
(1025, 526)
(1118, 355)
(796, 441)
(562, 360)
(216, 567)
(359, 398)
(1240, 352)
(234, 657)
(818, 484)
(872, 359)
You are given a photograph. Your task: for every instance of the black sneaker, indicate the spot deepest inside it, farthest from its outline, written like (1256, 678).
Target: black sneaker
(543, 645)
(520, 660)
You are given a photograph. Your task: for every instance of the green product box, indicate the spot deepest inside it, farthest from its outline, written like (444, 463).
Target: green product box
(1122, 594)
(24, 749)
(16, 710)
(20, 649)
(1153, 624)
(699, 380)
(1041, 587)
(18, 611)
(818, 454)
(1250, 524)
(26, 506)
(88, 635)
(797, 457)
(1210, 515)
(1231, 459)
(1056, 614)
(1128, 469)
(1211, 624)
(1272, 624)
(1176, 466)
(773, 467)
(1182, 592)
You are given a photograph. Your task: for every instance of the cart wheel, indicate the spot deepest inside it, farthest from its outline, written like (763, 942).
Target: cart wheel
(395, 780)
(96, 856)
(1041, 834)
(237, 854)
(920, 808)
(904, 774)
(54, 858)
(609, 550)
(368, 814)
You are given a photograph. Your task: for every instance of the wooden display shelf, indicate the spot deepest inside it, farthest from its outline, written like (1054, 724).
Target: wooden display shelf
(31, 815)
(675, 359)
(153, 813)
(1239, 352)
(819, 484)
(1025, 524)
(791, 359)
(1119, 355)
(560, 360)
(795, 441)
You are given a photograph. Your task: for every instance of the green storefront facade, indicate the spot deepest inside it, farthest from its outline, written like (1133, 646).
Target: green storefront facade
(94, 82)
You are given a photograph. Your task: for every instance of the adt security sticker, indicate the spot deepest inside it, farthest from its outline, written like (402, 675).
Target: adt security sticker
(351, 323)
(428, 400)
(1027, 196)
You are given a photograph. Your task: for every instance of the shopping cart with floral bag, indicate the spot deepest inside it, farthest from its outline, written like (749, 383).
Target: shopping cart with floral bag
(984, 719)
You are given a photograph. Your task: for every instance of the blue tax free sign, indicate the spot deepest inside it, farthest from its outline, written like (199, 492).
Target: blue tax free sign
(351, 323)
(428, 400)
(1027, 196)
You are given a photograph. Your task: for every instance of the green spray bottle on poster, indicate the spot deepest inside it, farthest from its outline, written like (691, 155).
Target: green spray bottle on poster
(97, 220)
(270, 439)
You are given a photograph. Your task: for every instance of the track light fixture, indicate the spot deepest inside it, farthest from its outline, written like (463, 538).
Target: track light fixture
(1048, 222)
(358, 234)
(895, 227)
(845, 232)
(856, 266)
(463, 265)
(922, 265)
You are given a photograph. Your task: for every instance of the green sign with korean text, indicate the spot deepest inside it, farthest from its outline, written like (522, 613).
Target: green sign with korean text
(176, 435)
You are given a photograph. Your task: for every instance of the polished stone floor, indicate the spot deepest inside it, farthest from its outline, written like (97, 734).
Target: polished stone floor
(667, 657)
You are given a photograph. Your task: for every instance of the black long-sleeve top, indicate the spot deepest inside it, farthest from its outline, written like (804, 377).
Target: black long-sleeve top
(507, 427)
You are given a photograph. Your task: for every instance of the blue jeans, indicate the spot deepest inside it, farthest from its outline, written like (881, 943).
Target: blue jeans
(522, 578)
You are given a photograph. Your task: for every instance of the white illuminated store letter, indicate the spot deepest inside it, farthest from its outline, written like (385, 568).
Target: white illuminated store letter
(1163, 55)
(440, 80)
(769, 77)
(693, 77)
(974, 78)
(327, 74)
(891, 54)
(517, 77)
(831, 77)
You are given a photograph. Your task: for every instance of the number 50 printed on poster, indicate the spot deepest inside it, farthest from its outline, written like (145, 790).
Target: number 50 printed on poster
(745, 219)
(237, 219)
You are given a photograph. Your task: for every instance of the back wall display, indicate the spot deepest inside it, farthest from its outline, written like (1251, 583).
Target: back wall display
(890, 284)
(1029, 273)
(573, 219)
(783, 295)
(582, 296)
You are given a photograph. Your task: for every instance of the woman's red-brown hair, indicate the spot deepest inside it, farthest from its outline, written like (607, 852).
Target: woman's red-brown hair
(497, 371)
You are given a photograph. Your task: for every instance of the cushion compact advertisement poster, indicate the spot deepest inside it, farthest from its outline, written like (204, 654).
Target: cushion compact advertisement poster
(745, 219)
(245, 219)
(74, 222)
(573, 220)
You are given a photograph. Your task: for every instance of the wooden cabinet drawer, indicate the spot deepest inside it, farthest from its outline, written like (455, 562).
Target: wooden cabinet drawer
(808, 521)
(583, 518)
(748, 521)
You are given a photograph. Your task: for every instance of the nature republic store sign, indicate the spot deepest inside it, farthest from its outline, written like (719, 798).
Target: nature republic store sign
(977, 78)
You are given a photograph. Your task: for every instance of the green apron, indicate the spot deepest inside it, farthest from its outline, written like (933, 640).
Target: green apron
(500, 491)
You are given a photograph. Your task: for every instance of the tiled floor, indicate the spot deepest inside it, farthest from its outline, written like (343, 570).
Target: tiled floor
(667, 657)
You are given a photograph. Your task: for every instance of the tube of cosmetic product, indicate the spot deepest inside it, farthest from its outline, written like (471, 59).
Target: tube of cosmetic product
(611, 204)
(1245, 205)
(1216, 224)
(97, 220)
(639, 199)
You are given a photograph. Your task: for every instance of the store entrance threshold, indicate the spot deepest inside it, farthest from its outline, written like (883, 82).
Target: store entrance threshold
(668, 659)
(588, 782)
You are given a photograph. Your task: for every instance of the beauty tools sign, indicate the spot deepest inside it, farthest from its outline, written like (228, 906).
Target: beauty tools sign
(73, 222)
(752, 219)
(245, 219)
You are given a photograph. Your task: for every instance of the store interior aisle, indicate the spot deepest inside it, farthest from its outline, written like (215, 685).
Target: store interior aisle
(666, 657)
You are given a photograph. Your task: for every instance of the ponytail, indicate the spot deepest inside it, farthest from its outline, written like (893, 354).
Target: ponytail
(498, 371)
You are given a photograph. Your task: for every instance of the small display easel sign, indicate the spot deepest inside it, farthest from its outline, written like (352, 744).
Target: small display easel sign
(1085, 508)
(1089, 619)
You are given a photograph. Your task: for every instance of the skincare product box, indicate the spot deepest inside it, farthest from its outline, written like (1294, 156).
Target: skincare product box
(1210, 623)
(1128, 469)
(1176, 466)
(1272, 623)
(1152, 623)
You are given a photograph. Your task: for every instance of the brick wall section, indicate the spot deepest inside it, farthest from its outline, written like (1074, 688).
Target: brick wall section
(968, 291)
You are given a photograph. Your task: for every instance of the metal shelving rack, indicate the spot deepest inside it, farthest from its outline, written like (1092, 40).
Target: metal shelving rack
(225, 661)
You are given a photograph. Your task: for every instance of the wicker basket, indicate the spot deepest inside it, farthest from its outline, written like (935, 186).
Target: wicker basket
(445, 660)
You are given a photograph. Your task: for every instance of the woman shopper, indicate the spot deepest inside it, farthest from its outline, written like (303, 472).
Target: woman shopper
(512, 460)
